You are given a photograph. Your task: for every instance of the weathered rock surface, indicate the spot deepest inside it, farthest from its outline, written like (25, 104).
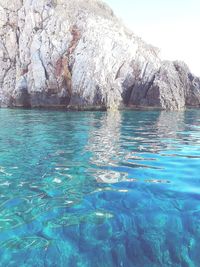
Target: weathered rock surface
(77, 53)
(172, 87)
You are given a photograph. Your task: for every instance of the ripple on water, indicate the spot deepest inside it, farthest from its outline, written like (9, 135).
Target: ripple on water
(123, 184)
(24, 243)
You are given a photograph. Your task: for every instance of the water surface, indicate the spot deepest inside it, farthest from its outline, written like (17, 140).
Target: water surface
(95, 189)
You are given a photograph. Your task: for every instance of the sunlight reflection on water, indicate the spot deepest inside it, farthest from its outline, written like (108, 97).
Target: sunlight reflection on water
(123, 184)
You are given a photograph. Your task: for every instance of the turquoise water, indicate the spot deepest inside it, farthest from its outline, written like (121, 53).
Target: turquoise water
(99, 189)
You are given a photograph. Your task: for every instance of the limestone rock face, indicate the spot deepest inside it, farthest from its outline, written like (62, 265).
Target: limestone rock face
(172, 87)
(77, 53)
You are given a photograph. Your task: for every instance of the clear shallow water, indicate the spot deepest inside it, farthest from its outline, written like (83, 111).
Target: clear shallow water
(99, 189)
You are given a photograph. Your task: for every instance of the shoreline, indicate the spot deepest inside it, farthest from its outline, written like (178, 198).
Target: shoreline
(99, 108)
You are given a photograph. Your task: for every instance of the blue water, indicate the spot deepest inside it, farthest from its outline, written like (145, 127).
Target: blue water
(99, 189)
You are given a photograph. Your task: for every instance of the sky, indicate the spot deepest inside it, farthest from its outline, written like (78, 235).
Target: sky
(171, 25)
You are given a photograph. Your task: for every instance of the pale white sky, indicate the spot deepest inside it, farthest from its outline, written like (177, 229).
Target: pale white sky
(171, 25)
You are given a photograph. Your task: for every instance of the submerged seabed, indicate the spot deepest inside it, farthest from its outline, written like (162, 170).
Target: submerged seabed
(99, 189)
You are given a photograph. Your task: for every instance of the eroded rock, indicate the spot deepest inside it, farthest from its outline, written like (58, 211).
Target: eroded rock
(77, 53)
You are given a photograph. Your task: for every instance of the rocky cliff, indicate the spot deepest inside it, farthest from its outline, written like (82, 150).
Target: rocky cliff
(76, 53)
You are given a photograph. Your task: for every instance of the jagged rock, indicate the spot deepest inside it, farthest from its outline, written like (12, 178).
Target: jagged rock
(172, 87)
(77, 53)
